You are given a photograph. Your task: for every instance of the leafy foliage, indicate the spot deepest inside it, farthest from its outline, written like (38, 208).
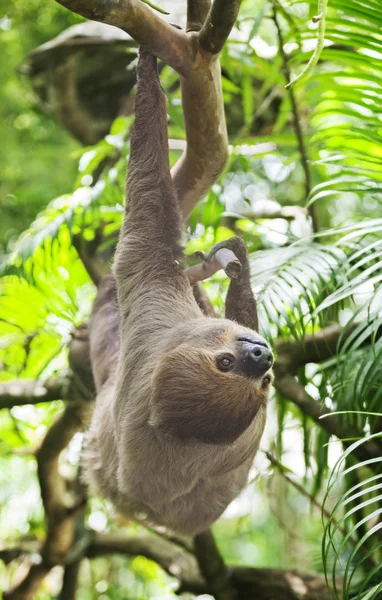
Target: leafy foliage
(356, 520)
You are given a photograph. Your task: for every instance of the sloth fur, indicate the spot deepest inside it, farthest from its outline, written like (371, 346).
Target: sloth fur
(181, 397)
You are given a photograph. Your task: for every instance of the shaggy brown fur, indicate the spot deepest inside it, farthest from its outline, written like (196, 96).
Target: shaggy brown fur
(181, 398)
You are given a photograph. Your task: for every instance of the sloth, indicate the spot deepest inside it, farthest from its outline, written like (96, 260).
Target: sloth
(181, 397)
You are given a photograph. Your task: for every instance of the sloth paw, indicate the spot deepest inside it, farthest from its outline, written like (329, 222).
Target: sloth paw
(231, 255)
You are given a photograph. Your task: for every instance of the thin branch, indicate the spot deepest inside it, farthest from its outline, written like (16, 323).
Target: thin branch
(297, 126)
(320, 18)
(20, 392)
(290, 213)
(213, 567)
(301, 490)
(70, 582)
(218, 25)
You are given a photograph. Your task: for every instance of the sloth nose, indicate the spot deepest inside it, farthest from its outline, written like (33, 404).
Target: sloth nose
(261, 358)
(256, 356)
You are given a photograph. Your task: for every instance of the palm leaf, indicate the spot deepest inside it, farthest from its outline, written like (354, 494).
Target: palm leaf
(357, 507)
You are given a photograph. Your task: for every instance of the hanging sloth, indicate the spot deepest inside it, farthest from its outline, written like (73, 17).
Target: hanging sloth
(181, 397)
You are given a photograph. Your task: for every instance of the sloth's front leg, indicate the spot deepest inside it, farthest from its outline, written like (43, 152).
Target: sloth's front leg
(240, 305)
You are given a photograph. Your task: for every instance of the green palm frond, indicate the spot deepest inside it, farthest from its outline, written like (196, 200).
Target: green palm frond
(297, 285)
(351, 548)
(342, 97)
(53, 228)
(85, 210)
(291, 283)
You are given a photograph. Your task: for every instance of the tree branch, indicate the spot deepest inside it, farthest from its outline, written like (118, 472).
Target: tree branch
(62, 508)
(172, 559)
(314, 348)
(206, 152)
(213, 567)
(218, 25)
(145, 27)
(250, 583)
(207, 144)
(70, 581)
(289, 213)
(20, 392)
(292, 389)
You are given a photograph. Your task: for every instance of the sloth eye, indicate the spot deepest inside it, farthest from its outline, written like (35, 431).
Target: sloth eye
(226, 363)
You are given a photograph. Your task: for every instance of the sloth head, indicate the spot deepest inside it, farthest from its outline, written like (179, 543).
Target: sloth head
(212, 385)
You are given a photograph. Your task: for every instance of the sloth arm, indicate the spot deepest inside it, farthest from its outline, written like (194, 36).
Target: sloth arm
(148, 275)
(240, 304)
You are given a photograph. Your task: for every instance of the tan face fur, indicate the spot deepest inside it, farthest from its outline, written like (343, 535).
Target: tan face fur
(207, 388)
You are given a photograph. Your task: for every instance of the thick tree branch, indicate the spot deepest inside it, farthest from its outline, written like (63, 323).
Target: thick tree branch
(171, 558)
(206, 153)
(207, 145)
(144, 25)
(218, 25)
(315, 348)
(70, 582)
(275, 584)
(250, 583)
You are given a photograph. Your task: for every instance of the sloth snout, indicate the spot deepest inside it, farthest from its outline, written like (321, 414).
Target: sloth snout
(257, 358)
(261, 359)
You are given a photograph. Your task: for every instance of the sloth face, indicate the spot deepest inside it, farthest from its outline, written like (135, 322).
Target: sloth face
(212, 386)
(252, 357)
